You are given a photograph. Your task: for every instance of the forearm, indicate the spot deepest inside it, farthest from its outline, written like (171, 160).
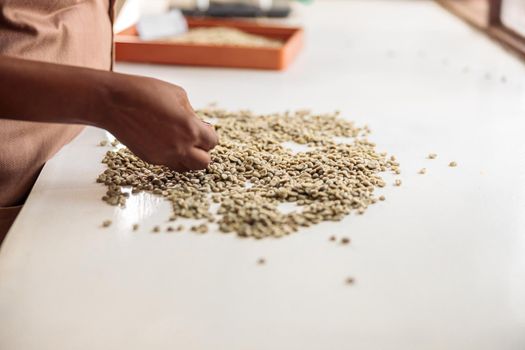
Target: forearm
(46, 92)
(153, 118)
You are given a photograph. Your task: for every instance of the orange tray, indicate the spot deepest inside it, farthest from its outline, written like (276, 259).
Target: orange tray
(129, 47)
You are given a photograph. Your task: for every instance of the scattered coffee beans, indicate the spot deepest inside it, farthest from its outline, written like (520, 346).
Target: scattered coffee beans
(252, 172)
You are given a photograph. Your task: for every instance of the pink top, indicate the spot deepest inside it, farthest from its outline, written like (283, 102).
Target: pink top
(67, 32)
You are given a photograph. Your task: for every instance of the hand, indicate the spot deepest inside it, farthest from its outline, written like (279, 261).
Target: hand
(155, 120)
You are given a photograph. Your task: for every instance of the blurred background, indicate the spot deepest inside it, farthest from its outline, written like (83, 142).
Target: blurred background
(502, 20)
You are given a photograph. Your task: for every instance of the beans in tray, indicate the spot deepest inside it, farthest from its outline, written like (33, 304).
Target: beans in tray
(225, 36)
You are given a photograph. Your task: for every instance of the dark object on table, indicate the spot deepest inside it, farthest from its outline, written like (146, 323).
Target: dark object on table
(238, 10)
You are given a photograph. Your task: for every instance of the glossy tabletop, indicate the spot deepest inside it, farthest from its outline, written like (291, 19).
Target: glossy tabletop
(439, 265)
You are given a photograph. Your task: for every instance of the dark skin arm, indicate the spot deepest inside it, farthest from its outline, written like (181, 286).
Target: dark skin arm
(153, 118)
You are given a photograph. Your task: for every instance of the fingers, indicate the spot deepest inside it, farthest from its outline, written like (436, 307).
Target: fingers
(178, 167)
(196, 159)
(201, 132)
(173, 162)
(207, 138)
(192, 150)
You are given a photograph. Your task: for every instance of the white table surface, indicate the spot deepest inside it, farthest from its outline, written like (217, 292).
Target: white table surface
(439, 265)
